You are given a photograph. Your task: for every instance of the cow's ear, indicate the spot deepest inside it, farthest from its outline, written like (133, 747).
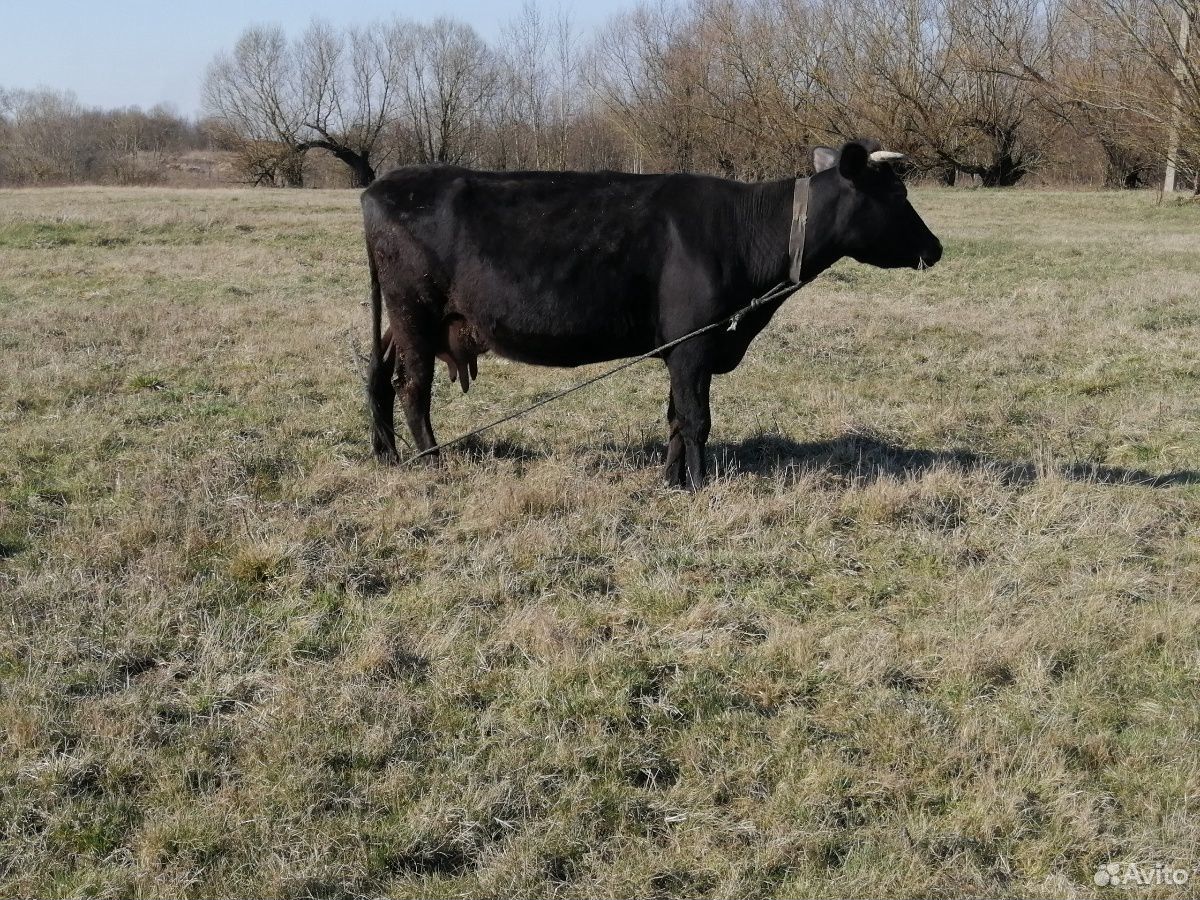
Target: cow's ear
(824, 158)
(853, 159)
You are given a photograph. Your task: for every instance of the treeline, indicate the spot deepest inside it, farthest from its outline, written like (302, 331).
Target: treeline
(1099, 91)
(994, 91)
(48, 137)
(999, 90)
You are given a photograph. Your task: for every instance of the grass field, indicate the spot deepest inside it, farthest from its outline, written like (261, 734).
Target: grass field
(933, 630)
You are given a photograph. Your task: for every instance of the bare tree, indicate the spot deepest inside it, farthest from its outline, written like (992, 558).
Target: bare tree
(449, 81)
(537, 91)
(566, 82)
(252, 93)
(527, 77)
(765, 59)
(6, 136)
(1087, 73)
(945, 81)
(1144, 73)
(332, 90)
(50, 138)
(647, 71)
(350, 92)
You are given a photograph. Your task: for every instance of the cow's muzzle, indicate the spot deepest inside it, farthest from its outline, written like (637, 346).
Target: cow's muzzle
(930, 256)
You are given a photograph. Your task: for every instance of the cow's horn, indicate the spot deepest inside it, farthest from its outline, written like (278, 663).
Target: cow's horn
(885, 155)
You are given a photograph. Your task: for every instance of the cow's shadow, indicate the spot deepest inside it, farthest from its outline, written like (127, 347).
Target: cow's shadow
(501, 448)
(864, 457)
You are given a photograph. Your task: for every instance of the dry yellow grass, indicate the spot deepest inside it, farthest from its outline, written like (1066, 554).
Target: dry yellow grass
(932, 630)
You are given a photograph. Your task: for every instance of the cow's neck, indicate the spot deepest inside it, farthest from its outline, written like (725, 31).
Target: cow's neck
(822, 247)
(769, 215)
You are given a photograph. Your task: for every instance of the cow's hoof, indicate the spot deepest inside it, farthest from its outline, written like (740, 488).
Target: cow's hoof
(387, 457)
(675, 476)
(384, 450)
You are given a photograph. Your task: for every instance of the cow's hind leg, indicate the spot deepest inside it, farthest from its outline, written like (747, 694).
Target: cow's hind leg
(416, 352)
(382, 398)
(691, 379)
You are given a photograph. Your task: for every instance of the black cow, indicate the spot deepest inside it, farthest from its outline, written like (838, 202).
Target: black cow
(570, 268)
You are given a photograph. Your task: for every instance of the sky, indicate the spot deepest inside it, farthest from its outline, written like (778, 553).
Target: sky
(143, 52)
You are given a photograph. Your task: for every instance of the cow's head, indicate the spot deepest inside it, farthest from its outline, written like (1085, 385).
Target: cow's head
(873, 220)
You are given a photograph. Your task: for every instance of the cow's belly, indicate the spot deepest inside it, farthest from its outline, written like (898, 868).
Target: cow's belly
(554, 328)
(565, 351)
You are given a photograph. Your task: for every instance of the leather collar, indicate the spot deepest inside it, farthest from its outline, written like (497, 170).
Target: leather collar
(799, 226)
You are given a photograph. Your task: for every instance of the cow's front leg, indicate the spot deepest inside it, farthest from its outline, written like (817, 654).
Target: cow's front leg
(691, 379)
(676, 468)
